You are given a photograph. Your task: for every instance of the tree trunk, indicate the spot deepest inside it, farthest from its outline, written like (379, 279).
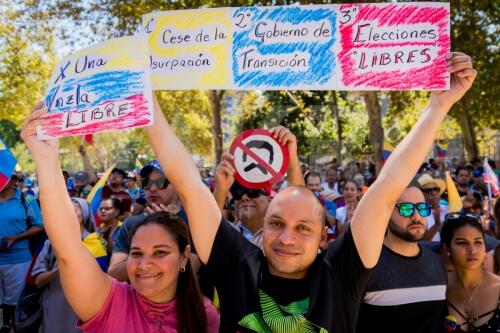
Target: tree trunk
(376, 132)
(215, 98)
(335, 108)
(468, 132)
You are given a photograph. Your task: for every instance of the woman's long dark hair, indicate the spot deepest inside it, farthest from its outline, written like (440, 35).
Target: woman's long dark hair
(189, 301)
(456, 221)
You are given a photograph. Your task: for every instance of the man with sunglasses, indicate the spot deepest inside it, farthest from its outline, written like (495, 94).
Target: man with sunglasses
(251, 207)
(159, 195)
(251, 204)
(433, 188)
(288, 286)
(407, 289)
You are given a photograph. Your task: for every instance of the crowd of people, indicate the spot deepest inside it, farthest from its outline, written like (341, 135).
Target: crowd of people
(171, 250)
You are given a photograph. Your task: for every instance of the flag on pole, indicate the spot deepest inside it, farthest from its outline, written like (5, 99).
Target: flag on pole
(96, 245)
(7, 164)
(491, 180)
(95, 196)
(440, 150)
(387, 149)
(454, 201)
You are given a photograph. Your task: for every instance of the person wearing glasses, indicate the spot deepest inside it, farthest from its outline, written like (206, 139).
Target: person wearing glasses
(432, 189)
(251, 204)
(406, 291)
(85, 191)
(109, 211)
(252, 207)
(288, 286)
(473, 293)
(160, 195)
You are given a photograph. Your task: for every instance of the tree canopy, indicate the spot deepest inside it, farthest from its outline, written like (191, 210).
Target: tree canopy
(35, 33)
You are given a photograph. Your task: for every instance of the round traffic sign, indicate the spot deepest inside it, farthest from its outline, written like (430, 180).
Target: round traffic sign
(259, 159)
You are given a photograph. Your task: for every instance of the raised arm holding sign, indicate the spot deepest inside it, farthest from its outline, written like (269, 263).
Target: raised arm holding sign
(292, 286)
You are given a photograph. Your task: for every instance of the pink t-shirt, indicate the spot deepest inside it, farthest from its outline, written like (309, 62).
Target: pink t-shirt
(126, 311)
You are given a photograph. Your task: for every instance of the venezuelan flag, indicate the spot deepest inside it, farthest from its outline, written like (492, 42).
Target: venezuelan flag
(387, 149)
(95, 196)
(7, 164)
(97, 246)
(491, 179)
(440, 150)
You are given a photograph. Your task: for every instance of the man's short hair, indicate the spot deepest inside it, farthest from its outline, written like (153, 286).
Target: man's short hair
(462, 167)
(120, 171)
(312, 174)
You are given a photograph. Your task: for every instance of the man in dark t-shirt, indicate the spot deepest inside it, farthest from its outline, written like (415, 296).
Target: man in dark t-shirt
(253, 299)
(407, 290)
(263, 291)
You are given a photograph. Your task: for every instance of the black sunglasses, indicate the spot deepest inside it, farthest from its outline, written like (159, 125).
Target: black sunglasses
(160, 183)
(252, 194)
(406, 209)
(463, 216)
(431, 189)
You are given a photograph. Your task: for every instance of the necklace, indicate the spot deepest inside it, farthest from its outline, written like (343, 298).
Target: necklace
(467, 307)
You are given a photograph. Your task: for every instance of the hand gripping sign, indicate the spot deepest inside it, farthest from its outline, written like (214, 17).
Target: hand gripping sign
(259, 159)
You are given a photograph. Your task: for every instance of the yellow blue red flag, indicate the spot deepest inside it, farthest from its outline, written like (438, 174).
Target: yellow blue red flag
(491, 180)
(387, 149)
(96, 245)
(95, 196)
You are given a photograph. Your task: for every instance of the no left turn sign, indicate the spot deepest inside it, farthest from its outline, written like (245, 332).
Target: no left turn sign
(259, 159)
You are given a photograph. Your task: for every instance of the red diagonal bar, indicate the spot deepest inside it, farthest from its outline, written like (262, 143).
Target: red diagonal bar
(259, 160)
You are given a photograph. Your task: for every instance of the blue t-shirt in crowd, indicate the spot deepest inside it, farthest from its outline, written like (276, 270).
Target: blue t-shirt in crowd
(13, 221)
(331, 207)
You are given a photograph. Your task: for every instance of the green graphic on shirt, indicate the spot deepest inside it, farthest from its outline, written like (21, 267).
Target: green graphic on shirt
(276, 318)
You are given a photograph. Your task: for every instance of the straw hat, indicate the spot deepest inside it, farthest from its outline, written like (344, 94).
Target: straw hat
(426, 179)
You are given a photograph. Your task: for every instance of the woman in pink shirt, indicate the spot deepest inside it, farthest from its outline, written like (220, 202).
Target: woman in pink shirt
(163, 295)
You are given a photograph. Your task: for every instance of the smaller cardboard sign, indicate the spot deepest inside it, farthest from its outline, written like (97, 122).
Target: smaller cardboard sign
(104, 87)
(259, 159)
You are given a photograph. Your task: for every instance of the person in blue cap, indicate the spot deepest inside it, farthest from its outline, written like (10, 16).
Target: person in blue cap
(20, 220)
(160, 195)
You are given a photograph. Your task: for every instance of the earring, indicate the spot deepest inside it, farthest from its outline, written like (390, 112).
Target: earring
(183, 269)
(448, 253)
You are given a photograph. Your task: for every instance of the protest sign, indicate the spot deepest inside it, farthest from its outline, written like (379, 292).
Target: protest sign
(104, 87)
(259, 159)
(389, 46)
(190, 49)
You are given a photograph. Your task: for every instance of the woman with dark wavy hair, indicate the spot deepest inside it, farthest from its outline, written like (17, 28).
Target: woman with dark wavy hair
(473, 293)
(162, 295)
(174, 233)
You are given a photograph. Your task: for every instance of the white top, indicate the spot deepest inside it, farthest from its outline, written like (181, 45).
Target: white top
(431, 221)
(327, 190)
